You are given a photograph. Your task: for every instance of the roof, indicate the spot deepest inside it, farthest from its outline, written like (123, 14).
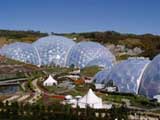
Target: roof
(90, 98)
(50, 79)
(89, 54)
(150, 85)
(126, 75)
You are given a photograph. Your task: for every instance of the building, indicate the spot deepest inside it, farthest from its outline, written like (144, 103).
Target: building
(91, 100)
(50, 81)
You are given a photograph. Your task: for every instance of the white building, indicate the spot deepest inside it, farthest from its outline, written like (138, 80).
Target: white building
(91, 100)
(50, 81)
(68, 97)
(111, 89)
(157, 97)
(99, 86)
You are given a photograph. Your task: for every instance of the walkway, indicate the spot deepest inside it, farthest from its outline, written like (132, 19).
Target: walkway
(37, 94)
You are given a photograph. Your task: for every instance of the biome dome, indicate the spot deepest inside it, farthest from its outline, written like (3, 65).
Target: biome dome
(104, 63)
(88, 54)
(125, 75)
(150, 85)
(60, 51)
(23, 52)
(53, 50)
(101, 76)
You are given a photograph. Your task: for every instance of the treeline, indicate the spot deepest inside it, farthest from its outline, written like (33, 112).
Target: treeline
(16, 111)
(26, 36)
(148, 42)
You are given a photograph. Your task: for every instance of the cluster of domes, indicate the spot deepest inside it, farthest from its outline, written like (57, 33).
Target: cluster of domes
(138, 76)
(60, 51)
(125, 75)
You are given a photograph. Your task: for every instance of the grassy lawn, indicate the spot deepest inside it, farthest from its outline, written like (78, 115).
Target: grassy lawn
(138, 101)
(54, 89)
(90, 71)
(57, 69)
(78, 90)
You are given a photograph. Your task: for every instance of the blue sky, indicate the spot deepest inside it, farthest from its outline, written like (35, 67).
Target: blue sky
(126, 16)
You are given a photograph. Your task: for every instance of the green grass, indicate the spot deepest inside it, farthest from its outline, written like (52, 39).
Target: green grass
(78, 90)
(90, 71)
(139, 101)
(53, 89)
(81, 89)
(54, 69)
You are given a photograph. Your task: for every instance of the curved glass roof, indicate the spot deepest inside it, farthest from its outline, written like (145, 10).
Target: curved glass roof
(150, 85)
(61, 51)
(105, 63)
(101, 76)
(89, 53)
(23, 52)
(53, 50)
(125, 75)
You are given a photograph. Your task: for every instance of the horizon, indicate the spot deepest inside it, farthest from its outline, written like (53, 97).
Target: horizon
(123, 33)
(134, 17)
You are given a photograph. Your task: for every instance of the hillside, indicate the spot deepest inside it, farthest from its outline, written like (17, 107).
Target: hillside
(150, 44)
(122, 45)
(9, 36)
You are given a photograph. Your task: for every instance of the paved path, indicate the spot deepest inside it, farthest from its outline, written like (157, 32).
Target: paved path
(21, 99)
(37, 92)
(22, 96)
(36, 88)
(23, 86)
(10, 99)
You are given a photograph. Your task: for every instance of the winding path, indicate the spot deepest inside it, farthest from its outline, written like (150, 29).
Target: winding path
(37, 93)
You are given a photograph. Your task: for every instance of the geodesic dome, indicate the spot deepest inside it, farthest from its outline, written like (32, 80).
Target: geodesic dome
(23, 52)
(150, 84)
(88, 54)
(104, 63)
(53, 50)
(125, 75)
(101, 76)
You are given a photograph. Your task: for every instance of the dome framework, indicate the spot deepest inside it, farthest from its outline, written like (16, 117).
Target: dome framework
(88, 54)
(60, 51)
(23, 52)
(125, 75)
(150, 85)
(53, 50)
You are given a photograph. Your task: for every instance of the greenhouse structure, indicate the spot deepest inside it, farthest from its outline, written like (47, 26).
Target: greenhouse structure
(59, 51)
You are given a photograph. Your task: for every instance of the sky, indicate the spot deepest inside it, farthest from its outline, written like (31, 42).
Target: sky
(61, 16)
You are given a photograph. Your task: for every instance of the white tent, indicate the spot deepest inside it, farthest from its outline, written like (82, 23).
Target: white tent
(157, 97)
(91, 100)
(50, 81)
(68, 97)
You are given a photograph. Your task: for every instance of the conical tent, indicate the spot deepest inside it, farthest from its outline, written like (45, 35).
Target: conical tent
(50, 81)
(91, 100)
